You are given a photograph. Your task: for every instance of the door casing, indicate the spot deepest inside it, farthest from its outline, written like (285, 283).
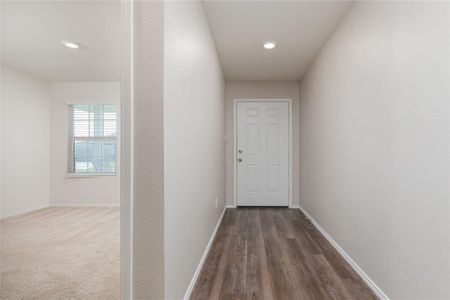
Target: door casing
(235, 102)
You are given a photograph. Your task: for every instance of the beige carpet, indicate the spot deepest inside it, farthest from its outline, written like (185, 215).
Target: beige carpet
(61, 253)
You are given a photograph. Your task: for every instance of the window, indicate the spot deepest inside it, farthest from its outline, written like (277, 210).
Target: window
(92, 139)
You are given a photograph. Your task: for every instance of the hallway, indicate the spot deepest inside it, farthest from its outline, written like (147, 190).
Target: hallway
(275, 253)
(225, 149)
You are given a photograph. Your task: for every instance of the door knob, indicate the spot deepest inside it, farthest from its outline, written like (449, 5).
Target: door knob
(239, 159)
(240, 151)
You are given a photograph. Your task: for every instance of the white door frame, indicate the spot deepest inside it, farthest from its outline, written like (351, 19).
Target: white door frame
(235, 103)
(126, 153)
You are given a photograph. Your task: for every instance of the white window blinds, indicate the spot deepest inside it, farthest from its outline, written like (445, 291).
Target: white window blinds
(92, 139)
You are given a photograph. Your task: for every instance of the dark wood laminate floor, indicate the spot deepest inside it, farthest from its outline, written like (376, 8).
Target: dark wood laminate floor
(275, 253)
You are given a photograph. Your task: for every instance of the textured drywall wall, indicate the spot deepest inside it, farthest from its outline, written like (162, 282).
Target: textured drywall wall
(194, 142)
(25, 139)
(89, 190)
(148, 172)
(374, 144)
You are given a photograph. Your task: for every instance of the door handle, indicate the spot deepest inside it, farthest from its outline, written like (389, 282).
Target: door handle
(239, 159)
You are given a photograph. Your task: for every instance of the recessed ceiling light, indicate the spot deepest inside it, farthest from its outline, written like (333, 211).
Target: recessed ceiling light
(269, 45)
(70, 44)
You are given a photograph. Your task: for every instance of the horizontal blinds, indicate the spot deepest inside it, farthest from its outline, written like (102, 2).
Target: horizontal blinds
(92, 139)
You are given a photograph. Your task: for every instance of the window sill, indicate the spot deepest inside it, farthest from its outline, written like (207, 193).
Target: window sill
(89, 175)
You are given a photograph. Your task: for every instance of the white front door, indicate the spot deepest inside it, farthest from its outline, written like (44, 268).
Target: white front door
(262, 153)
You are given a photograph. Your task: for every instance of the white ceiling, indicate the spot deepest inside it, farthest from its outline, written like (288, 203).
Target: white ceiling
(300, 28)
(32, 31)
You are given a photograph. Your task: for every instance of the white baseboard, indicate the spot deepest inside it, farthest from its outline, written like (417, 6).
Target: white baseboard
(83, 204)
(58, 205)
(372, 285)
(16, 214)
(187, 295)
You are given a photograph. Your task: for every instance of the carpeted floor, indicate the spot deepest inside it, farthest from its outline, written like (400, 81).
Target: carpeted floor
(61, 253)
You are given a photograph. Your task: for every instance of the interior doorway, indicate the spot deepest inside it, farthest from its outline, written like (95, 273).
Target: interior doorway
(64, 84)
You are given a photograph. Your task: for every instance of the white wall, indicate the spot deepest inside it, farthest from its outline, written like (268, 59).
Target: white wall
(194, 142)
(257, 89)
(64, 190)
(25, 139)
(375, 144)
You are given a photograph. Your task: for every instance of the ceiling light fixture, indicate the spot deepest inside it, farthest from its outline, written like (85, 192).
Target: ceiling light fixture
(70, 44)
(269, 45)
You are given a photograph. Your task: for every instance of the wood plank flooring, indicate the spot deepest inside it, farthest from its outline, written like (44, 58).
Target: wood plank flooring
(275, 253)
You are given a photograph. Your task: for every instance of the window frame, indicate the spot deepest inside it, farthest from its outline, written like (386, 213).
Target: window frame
(70, 166)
